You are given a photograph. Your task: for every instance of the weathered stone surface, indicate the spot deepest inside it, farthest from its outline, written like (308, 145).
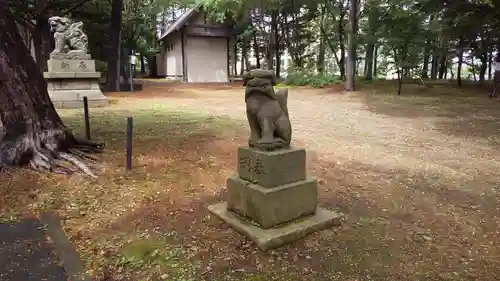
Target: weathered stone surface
(73, 98)
(272, 168)
(267, 239)
(71, 71)
(57, 75)
(68, 36)
(270, 199)
(269, 207)
(70, 56)
(79, 104)
(75, 94)
(73, 84)
(88, 75)
(71, 65)
(267, 111)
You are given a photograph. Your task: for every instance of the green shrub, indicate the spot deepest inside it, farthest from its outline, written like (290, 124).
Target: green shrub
(374, 79)
(305, 77)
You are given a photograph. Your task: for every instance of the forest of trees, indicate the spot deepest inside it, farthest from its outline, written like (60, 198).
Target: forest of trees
(435, 39)
(325, 39)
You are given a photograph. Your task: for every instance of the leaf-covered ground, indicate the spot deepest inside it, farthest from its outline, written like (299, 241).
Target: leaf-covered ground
(416, 178)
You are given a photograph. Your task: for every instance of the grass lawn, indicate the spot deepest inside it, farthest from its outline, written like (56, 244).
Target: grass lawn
(151, 223)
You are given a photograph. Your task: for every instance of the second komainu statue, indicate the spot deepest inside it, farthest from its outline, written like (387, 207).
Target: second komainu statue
(267, 111)
(68, 36)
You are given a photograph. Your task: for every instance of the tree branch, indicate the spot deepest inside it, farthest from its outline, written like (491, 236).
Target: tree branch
(55, 5)
(24, 15)
(75, 6)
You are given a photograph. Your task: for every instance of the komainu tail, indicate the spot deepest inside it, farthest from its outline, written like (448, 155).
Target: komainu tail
(282, 97)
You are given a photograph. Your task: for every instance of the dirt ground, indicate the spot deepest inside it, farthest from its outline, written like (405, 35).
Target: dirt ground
(416, 177)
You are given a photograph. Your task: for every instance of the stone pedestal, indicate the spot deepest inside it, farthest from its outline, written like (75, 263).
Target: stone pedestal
(69, 79)
(271, 199)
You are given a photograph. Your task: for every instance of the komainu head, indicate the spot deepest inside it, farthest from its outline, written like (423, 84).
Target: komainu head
(59, 24)
(260, 81)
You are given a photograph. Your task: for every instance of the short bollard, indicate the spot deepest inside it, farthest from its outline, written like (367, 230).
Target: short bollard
(86, 117)
(129, 143)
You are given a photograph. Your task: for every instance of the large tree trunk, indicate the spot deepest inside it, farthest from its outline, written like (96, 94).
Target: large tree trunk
(434, 66)
(244, 56)
(490, 62)
(483, 58)
(342, 65)
(113, 77)
(425, 68)
(473, 66)
(273, 47)
(400, 80)
(27, 38)
(42, 42)
(459, 67)
(143, 64)
(320, 65)
(369, 61)
(153, 67)
(484, 67)
(375, 51)
(445, 70)
(442, 65)
(365, 66)
(351, 57)
(235, 58)
(256, 50)
(31, 131)
(277, 51)
(278, 63)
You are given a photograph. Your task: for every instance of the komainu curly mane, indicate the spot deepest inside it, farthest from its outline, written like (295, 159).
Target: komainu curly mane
(68, 36)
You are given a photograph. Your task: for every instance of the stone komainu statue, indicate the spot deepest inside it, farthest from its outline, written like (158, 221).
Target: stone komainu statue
(267, 111)
(68, 36)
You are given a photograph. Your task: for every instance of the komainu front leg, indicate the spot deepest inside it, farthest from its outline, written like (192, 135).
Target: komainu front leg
(266, 141)
(59, 40)
(254, 130)
(284, 130)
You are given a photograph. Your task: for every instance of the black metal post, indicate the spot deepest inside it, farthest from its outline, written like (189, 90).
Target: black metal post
(86, 117)
(129, 142)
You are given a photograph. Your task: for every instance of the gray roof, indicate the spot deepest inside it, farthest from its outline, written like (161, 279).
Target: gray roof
(179, 23)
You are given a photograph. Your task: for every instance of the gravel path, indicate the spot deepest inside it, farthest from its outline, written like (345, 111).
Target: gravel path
(343, 129)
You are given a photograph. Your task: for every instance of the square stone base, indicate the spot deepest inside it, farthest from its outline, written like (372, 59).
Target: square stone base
(74, 98)
(70, 56)
(272, 168)
(272, 238)
(69, 92)
(72, 75)
(269, 207)
(79, 104)
(71, 65)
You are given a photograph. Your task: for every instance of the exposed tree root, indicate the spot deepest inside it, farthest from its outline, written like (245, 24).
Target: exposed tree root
(5, 170)
(97, 146)
(55, 151)
(31, 131)
(83, 154)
